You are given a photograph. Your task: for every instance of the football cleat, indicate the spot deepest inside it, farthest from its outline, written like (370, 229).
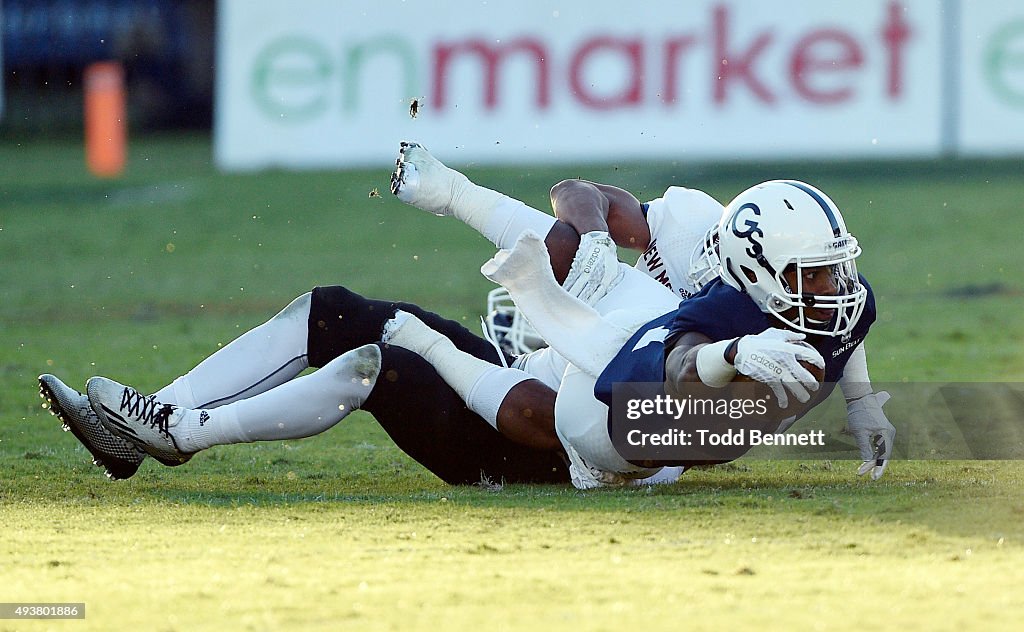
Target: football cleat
(119, 458)
(585, 476)
(425, 182)
(137, 418)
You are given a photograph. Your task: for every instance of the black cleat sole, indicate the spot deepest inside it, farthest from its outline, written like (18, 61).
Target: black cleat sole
(116, 469)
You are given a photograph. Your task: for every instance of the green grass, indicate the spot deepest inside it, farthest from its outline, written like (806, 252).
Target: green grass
(141, 277)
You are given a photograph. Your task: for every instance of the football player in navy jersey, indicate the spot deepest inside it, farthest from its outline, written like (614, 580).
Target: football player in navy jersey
(790, 293)
(787, 259)
(803, 282)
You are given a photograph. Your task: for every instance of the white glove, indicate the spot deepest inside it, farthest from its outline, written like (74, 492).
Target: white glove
(773, 356)
(872, 432)
(595, 268)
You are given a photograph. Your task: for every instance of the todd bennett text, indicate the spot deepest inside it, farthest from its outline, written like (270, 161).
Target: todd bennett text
(704, 437)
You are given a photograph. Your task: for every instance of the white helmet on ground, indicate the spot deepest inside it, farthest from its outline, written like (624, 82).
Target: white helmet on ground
(507, 326)
(783, 223)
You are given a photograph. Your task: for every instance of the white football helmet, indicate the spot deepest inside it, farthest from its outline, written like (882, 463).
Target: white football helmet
(704, 262)
(507, 326)
(785, 222)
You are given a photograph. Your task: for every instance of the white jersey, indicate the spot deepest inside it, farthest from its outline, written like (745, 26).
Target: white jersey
(678, 221)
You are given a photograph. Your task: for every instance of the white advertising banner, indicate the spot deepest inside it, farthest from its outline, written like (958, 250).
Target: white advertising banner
(992, 78)
(329, 83)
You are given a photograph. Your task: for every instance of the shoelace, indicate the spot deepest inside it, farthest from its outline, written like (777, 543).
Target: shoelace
(147, 409)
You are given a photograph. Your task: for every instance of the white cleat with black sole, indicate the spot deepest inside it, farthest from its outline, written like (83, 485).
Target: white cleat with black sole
(425, 182)
(119, 458)
(137, 418)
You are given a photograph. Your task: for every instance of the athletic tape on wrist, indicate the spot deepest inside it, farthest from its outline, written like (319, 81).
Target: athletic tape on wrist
(712, 368)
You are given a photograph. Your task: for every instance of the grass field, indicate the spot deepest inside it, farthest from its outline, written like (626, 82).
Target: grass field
(142, 277)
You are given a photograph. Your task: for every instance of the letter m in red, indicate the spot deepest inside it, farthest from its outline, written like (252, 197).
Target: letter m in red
(492, 56)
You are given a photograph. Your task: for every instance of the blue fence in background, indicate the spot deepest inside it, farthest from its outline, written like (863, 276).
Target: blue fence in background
(166, 47)
(75, 32)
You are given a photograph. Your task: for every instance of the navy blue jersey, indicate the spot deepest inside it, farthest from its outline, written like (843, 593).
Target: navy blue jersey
(720, 313)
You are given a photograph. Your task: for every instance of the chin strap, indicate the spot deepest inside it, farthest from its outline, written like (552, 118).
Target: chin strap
(494, 343)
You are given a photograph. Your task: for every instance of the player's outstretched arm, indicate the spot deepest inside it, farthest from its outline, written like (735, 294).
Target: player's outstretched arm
(604, 216)
(590, 206)
(865, 419)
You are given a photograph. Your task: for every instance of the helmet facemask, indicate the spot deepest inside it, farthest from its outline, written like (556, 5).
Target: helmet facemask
(795, 305)
(507, 326)
(704, 262)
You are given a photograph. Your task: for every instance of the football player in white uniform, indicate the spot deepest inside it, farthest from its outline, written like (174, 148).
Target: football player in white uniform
(595, 218)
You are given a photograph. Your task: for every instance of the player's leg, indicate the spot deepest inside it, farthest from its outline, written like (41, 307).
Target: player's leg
(524, 409)
(430, 422)
(302, 407)
(512, 401)
(331, 321)
(425, 182)
(424, 416)
(312, 330)
(581, 422)
(260, 359)
(255, 362)
(573, 328)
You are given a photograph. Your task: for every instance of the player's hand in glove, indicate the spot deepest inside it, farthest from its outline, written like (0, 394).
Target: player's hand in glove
(595, 268)
(872, 432)
(773, 357)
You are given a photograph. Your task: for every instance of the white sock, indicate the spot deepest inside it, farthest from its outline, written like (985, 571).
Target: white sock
(303, 407)
(258, 360)
(498, 217)
(572, 328)
(490, 389)
(482, 385)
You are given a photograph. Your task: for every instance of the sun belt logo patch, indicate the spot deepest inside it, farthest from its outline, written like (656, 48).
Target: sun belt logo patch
(847, 346)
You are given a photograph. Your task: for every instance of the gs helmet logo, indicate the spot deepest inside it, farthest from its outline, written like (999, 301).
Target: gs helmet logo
(749, 229)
